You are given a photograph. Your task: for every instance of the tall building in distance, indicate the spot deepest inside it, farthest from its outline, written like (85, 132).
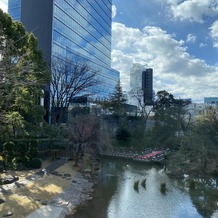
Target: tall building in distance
(147, 86)
(69, 29)
(136, 76)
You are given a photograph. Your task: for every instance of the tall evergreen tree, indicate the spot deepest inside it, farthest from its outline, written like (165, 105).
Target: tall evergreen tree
(22, 71)
(118, 100)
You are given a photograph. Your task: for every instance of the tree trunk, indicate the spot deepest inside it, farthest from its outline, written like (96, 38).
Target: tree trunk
(77, 154)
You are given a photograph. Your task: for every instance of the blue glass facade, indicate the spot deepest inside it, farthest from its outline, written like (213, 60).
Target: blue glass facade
(82, 29)
(14, 9)
(79, 29)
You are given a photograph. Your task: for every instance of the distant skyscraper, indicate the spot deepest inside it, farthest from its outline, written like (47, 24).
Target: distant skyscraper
(147, 86)
(136, 76)
(71, 29)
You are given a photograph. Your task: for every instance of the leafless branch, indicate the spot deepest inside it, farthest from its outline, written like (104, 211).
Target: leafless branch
(70, 79)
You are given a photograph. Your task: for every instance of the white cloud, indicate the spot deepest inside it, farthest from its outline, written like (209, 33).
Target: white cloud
(114, 11)
(214, 33)
(174, 69)
(202, 45)
(4, 5)
(191, 38)
(193, 10)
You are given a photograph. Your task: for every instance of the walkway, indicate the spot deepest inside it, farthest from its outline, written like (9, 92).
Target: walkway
(78, 191)
(53, 166)
(49, 211)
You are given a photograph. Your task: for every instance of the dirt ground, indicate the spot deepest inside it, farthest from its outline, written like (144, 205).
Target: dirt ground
(29, 195)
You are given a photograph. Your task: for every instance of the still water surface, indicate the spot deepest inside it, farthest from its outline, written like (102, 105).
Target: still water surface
(115, 196)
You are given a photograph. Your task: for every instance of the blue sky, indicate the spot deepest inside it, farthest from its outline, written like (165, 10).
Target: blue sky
(177, 38)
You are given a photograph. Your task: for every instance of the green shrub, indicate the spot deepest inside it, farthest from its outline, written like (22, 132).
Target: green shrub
(24, 160)
(33, 150)
(11, 166)
(8, 149)
(1, 159)
(1, 164)
(34, 143)
(122, 134)
(22, 148)
(35, 163)
(22, 155)
(191, 183)
(9, 156)
(8, 146)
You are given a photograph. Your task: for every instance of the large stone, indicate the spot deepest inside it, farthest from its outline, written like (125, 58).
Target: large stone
(2, 201)
(9, 213)
(9, 180)
(43, 202)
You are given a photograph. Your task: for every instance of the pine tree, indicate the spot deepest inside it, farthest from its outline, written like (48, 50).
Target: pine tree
(118, 101)
(22, 71)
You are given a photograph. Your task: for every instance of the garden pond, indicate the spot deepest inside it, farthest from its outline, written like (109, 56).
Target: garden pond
(133, 190)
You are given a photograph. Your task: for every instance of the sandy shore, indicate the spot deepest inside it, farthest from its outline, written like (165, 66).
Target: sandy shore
(51, 195)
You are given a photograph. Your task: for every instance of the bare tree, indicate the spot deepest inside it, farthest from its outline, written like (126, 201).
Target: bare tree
(83, 133)
(143, 109)
(70, 79)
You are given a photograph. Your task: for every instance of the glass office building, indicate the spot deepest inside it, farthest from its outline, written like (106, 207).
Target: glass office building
(70, 29)
(14, 9)
(147, 86)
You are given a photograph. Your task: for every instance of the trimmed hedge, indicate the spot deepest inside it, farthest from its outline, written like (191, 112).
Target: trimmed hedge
(36, 163)
(22, 153)
(43, 143)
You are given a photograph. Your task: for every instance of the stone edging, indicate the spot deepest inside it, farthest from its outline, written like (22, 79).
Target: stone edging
(79, 190)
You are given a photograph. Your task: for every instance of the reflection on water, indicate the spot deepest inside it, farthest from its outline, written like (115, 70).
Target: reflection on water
(205, 196)
(115, 196)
